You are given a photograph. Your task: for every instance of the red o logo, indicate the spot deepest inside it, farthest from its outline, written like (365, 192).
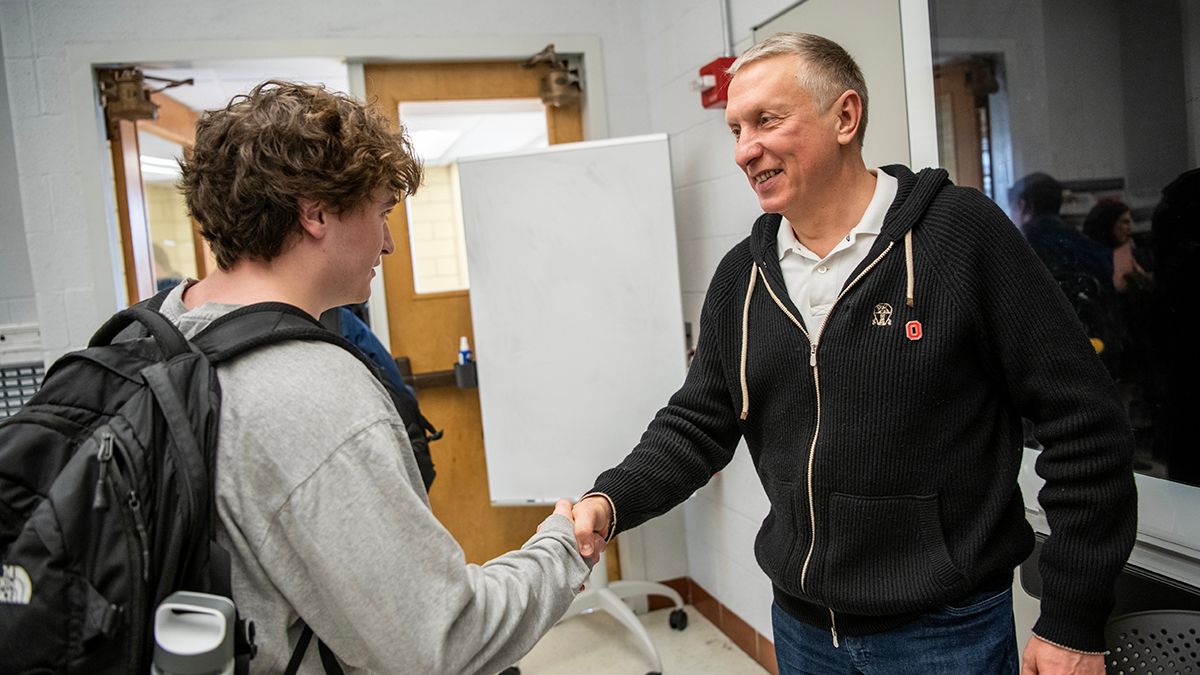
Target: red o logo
(913, 330)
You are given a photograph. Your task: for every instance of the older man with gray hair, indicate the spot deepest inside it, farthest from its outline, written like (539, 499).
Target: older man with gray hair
(876, 341)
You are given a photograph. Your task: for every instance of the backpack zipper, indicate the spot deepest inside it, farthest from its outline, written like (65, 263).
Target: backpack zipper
(103, 458)
(135, 507)
(131, 518)
(123, 489)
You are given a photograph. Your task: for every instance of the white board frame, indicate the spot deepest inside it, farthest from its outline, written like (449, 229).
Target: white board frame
(576, 306)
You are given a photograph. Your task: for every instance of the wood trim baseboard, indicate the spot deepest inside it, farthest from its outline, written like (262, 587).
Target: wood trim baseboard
(757, 646)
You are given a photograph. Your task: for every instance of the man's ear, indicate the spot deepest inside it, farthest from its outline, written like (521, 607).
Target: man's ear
(312, 217)
(848, 108)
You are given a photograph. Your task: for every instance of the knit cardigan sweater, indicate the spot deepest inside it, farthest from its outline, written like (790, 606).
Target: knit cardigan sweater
(889, 440)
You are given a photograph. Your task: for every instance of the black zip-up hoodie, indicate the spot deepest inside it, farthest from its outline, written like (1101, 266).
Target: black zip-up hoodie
(889, 446)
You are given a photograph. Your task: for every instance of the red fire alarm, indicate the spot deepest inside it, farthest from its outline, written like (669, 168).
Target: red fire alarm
(716, 95)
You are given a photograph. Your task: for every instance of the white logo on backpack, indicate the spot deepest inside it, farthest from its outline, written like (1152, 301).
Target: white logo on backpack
(15, 587)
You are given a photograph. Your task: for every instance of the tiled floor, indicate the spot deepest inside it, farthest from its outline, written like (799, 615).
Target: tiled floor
(597, 645)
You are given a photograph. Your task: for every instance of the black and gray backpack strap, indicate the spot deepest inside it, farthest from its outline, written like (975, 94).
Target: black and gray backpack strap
(328, 660)
(248, 328)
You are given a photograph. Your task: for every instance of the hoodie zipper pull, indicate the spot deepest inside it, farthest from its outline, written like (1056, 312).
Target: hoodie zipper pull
(103, 457)
(833, 629)
(812, 355)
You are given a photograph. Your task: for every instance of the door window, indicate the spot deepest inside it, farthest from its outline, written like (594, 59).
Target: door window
(441, 132)
(171, 242)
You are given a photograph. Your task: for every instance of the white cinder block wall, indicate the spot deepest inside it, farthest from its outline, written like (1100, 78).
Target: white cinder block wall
(16, 283)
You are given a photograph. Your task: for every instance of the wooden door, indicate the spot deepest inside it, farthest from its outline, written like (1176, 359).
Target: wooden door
(426, 327)
(961, 89)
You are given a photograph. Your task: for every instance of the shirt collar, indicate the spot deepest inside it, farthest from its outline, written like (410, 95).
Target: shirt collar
(871, 223)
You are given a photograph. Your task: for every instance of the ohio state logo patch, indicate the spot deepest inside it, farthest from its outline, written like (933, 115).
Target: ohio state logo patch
(913, 330)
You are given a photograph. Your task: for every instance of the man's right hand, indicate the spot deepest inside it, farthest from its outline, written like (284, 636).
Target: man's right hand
(593, 518)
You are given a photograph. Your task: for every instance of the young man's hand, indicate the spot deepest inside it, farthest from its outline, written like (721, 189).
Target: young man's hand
(1043, 658)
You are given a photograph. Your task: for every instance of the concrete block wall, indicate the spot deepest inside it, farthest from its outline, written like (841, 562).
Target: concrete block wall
(16, 282)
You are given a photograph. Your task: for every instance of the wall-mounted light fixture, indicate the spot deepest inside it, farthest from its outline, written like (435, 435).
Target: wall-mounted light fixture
(561, 84)
(124, 94)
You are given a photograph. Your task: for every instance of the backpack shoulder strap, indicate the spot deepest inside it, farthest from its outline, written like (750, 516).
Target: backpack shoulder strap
(328, 660)
(332, 319)
(248, 328)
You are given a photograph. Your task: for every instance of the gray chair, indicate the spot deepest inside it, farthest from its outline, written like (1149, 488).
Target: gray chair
(1160, 641)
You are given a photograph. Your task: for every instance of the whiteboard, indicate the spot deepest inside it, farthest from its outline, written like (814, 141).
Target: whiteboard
(575, 300)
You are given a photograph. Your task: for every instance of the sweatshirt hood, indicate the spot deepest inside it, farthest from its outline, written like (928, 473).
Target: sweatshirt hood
(914, 194)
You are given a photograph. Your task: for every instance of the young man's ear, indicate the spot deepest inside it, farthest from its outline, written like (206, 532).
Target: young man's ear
(312, 217)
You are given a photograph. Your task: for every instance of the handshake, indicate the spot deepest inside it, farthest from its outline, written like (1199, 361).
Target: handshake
(593, 519)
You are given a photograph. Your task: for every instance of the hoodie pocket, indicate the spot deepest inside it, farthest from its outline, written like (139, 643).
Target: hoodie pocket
(886, 554)
(779, 537)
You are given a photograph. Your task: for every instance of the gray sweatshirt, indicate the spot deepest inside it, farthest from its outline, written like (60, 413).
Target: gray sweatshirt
(324, 514)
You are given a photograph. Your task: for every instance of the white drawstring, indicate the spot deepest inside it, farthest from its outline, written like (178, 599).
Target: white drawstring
(908, 266)
(745, 340)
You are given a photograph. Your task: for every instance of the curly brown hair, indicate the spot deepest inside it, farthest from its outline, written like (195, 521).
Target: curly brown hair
(257, 156)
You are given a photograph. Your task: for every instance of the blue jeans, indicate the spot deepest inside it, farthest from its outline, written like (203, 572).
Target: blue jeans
(977, 637)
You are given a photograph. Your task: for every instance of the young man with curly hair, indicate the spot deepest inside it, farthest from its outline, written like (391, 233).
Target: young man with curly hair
(319, 498)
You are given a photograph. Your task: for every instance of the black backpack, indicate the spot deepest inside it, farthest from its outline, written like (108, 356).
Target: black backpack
(106, 490)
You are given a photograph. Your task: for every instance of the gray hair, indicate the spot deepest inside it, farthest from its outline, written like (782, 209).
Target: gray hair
(826, 72)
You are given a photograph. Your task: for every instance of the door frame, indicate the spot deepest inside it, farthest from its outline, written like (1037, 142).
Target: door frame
(102, 228)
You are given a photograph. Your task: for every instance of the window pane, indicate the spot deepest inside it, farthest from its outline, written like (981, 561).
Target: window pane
(171, 238)
(443, 131)
(1101, 95)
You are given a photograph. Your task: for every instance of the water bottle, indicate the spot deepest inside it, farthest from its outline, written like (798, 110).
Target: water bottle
(464, 371)
(194, 635)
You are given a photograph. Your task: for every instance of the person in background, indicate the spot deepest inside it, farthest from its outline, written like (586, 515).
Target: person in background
(1037, 199)
(876, 341)
(319, 498)
(1110, 222)
(164, 275)
(1082, 268)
